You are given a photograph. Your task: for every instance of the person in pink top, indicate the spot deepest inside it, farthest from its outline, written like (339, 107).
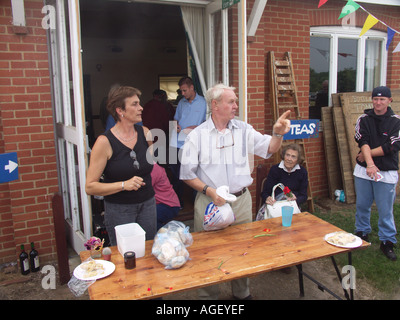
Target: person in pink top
(167, 201)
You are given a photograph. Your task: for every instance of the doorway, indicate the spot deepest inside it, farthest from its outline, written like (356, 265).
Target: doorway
(99, 43)
(128, 43)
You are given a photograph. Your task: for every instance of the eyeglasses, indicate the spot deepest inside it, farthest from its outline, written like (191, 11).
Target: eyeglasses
(221, 147)
(132, 154)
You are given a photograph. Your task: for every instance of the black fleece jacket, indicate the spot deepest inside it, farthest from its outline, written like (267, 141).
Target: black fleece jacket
(380, 130)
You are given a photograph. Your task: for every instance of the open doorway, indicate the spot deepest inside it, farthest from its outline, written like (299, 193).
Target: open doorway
(129, 44)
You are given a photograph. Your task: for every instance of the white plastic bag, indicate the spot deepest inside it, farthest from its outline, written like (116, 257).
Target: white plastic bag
(170, 244)
(219, 217)
(223, 192)
(261, 212)
(77, 286)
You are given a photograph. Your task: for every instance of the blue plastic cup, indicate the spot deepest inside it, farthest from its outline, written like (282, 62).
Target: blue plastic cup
(287, 214)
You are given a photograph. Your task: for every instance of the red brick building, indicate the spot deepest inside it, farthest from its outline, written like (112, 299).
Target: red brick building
(34, 75)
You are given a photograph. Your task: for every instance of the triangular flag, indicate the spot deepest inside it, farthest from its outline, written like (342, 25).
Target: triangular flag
(368, 24)
(350, 7)
(322, 2)
(390, 34)
(397, 48)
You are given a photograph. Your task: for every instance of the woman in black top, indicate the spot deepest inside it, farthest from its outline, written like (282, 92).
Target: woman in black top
(124, 156)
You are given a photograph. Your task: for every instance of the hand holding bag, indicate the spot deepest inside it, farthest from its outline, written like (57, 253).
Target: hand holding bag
(275, 210)
(219, 217)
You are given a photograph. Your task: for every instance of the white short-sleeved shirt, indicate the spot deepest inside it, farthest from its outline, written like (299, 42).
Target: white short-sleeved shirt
(203, 156)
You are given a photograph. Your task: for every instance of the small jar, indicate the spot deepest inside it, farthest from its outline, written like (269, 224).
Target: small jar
(130, 260)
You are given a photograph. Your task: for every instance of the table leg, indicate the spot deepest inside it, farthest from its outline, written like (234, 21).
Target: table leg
(301, 283)
(346, 294)
(320, 285)
(349, 257)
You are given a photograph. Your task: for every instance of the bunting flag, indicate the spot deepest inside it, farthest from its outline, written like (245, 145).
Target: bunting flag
(350, 7)
(368, 24)
(390, 35)
(397, 48)
(322, 2)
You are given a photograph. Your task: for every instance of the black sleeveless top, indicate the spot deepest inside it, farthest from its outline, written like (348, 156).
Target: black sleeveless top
(120, 168)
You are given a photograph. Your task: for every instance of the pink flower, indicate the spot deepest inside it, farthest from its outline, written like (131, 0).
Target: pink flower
(94, 243)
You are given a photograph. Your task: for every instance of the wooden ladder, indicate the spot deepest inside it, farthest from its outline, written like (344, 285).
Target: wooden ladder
(284, 97)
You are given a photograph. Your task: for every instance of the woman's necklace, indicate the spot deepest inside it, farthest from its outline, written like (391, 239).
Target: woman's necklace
(125, 140)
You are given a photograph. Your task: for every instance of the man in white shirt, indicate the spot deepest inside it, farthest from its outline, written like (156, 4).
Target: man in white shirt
(216, 153)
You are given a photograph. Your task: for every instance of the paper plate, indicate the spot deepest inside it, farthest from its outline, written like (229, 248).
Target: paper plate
(355, 244)
(108, 266)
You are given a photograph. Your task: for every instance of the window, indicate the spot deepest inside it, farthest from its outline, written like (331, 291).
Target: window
(170, 85)
(341, 61)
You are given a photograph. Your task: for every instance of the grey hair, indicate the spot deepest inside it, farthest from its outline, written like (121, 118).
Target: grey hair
(215, 93)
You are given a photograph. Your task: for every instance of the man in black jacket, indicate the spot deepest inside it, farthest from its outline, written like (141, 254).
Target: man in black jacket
(377, 133)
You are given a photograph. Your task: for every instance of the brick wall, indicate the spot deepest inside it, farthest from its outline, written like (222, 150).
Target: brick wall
(26, 127)
(285, 26)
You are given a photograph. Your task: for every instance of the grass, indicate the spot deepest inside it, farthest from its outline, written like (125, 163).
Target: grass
(370, 263)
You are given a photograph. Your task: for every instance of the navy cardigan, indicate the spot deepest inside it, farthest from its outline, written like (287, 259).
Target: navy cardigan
(296, 181)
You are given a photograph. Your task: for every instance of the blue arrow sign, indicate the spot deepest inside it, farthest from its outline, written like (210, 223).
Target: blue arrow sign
(302, 129)
(8, 167)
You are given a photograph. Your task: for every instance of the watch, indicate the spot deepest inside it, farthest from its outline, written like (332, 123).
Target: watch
(277, 134)
(205, 189)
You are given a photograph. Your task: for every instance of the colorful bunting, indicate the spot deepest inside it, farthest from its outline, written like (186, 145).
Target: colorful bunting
(368, 24)
(350, 7)
(322, 2)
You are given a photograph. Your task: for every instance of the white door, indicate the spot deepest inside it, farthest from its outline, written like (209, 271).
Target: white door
(71, 142)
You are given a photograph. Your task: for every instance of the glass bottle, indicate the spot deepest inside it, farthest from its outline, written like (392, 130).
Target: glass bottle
(34, 259)
(23, 261)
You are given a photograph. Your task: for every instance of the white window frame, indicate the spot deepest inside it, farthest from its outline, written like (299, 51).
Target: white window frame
(336, 32)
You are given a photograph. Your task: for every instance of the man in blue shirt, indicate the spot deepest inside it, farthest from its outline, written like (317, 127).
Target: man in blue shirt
(190, 113)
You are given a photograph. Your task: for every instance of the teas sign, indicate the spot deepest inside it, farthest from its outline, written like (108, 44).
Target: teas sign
(8, 167)
(302, 129)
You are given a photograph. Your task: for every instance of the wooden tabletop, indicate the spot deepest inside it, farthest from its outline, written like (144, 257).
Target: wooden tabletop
(219, 256)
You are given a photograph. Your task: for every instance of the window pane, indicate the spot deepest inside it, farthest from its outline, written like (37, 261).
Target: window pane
(170, 85)
(372, 71)
(63, 178)
(319, 75)
(217, 45)
(79, 208)
(347, 65)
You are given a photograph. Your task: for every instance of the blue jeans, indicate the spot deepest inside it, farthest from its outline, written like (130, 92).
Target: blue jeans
(384, 195)
(143, 213)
